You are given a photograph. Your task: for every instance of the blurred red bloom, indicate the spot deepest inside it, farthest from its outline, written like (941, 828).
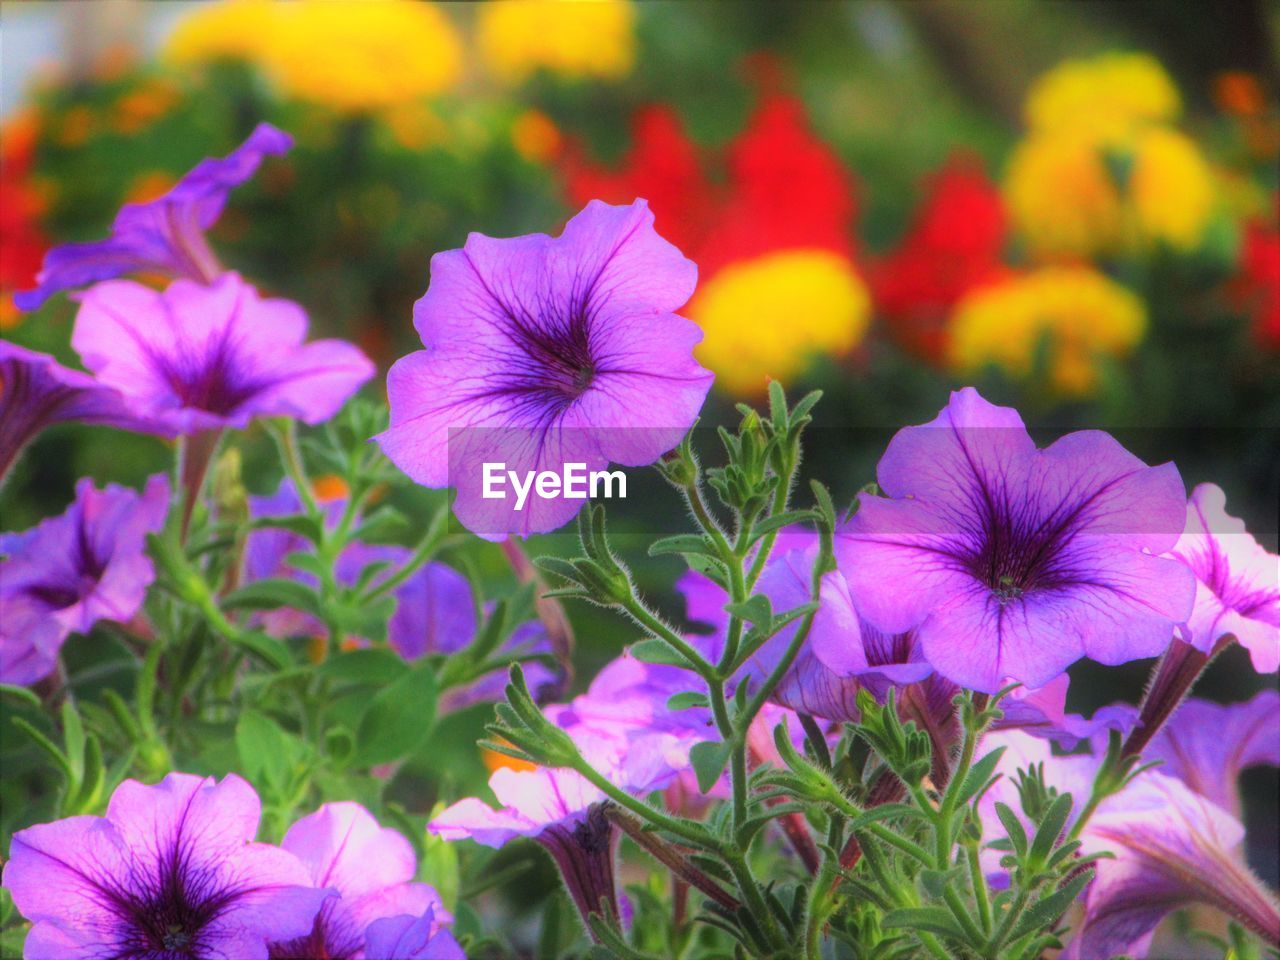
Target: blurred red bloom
(952, 246)
(776, 186)
(1258, 284)
(22, 241)
(663, 166)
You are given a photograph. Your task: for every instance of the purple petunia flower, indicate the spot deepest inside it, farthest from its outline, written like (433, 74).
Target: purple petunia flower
(543, 352)
(36, 391)
(171, 871)
(1237, 581)
(1173, 847)
(845, 653)
(407, 938)
(166, 235)
(563, 811)
(68, 572)
(1010, 562)
(371, 868)
(204, 357)
(1206, 745)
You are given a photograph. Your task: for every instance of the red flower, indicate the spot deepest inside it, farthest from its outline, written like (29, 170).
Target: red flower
(1259, 281)
(663, 166)
(22, 241)
(953, 245)
(776, 186)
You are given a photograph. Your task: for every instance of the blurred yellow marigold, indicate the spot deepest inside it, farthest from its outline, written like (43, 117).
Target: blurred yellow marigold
(1107, 95)
(357, 55)
(1073, 195)
(767, 318)
(230, 30)
(1077, 313)
(350, 55)
(573, 38)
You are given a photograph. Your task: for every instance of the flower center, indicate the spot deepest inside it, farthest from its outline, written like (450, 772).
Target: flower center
(175, 938)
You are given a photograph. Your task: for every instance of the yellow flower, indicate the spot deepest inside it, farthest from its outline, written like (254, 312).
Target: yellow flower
(1071, 195)
(1061, 196)
(1107, 95)
(573, 38)
(767, 318)
(1172, 188)
(361, 55)
(351, 55)
(1077, 313)
(230, 30)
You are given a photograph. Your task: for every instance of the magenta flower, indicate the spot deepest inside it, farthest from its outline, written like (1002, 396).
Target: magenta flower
(563, 811)
(171, 871)
(166, 235)
(1009, 562)
(36, 391)
(1237, 581)
(68, 572)
(406, 938)
(1172, 847)
(204, 357)
(1206, 745)
(845, 653)
(542, 352)
(372, 869)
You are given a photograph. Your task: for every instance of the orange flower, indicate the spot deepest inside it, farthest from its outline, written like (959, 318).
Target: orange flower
(1239, 93)
(535, 136)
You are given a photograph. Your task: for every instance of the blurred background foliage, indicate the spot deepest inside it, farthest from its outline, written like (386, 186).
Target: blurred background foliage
(1072, 206)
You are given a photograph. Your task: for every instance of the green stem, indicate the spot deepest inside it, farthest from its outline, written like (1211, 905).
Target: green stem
(425, 550)
(643, 616)
(286, 440)
(695, 833)
(781, 497)
(979, 881)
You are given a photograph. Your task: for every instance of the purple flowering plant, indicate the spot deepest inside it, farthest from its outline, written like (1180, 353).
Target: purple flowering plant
(253, 718)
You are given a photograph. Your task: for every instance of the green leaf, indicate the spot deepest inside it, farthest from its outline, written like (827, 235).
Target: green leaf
(398, 719)
(687, 543)
(709, 759)
(47, 745)
(756, 609)
(1050, 829)
(73, 740)
(310, 528)
(658, 651)
(92, 782)
(267, 647)
(1012, 826)
(307, 563)
(1045, 913)
(378, 667)
(931, 919)
(385, 524)
(268, 754)
(368, 620)
(780, 520)
(978, 776)
(686, 700)
(271, 594)
(20, 693)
